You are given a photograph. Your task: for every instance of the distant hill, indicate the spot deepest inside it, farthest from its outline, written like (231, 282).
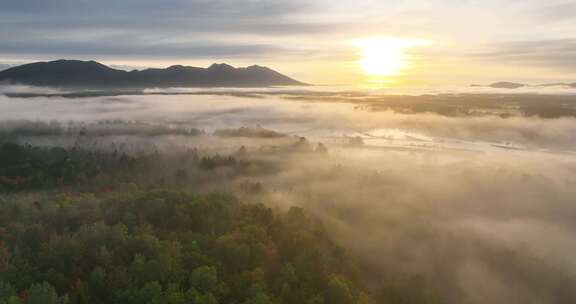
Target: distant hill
(515, 85)
(570, 85)
(91, 74)
(507, 85)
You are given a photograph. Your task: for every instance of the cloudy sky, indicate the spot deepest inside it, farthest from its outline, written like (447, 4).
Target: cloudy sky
(314, 40)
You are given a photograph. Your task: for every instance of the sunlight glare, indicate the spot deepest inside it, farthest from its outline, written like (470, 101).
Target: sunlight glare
(386, 57)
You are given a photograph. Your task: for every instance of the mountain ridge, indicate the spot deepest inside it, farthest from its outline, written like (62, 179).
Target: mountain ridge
(92, 74)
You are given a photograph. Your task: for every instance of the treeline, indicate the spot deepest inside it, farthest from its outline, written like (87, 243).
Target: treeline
(24, 128)
(25, 167)
(88, 165)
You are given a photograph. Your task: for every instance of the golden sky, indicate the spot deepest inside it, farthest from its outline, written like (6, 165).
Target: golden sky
(399, 42)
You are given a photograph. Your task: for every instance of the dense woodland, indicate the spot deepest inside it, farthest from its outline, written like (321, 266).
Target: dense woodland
(85, 226)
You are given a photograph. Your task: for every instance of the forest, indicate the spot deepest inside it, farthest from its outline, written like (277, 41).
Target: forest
(116, 211)
(82, 225)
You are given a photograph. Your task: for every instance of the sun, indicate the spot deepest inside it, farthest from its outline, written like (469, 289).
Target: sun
(386, 57)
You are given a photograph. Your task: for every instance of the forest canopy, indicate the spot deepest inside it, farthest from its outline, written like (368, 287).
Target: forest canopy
(64, 242)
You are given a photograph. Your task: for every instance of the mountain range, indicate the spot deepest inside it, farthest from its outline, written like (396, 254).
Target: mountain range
(91, 74)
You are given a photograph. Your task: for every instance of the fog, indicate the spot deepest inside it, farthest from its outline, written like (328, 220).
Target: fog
(491, 228)
(453, 209)
(321, 120)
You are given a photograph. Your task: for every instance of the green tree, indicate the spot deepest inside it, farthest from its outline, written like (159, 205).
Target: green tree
(207, 298)
(12, 300)
(151, 293)
(97, 284)
(6, 291)
(174, 295)
(316, 299)
(42, 293)
(204, 279)
(338, 291)
(260, 298)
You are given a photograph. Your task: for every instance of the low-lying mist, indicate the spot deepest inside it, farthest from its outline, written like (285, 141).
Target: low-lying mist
(324, 120)
(486, 228)
(445, 209)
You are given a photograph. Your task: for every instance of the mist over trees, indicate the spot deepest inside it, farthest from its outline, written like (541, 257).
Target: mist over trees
(436, 215)
(125, 244)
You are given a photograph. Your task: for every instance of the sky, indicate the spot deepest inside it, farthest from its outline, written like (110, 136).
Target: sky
(316, 41)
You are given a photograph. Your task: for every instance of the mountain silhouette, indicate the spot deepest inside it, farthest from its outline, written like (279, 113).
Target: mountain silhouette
(91, 74)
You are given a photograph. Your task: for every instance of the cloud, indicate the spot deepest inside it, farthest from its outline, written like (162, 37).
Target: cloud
(119, 47)
(146, 16)
(559, 12)
(555, 54)
(149, 28)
